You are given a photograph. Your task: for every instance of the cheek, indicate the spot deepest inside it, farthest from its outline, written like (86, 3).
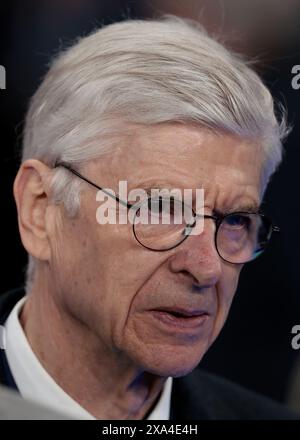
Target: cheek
(78, 266)
(101, 273)
(105, 272)
(224, 295)
(130, 298)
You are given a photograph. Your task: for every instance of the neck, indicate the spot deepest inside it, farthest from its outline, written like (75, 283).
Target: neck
(105, 383)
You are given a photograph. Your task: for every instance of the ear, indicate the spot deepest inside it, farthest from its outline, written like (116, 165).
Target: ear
(31, 192)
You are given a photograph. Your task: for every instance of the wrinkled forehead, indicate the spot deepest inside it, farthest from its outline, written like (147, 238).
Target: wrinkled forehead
(177, 155)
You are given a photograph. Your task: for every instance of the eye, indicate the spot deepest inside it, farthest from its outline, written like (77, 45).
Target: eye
(237, 221)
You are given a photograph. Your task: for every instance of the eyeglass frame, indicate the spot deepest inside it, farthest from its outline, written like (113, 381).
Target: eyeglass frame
(217, 218)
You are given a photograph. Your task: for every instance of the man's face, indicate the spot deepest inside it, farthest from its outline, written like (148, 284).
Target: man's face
(121, 290)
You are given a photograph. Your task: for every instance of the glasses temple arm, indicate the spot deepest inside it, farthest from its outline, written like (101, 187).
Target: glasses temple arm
(76, 173)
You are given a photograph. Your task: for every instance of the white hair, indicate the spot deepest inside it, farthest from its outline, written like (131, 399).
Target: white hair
(144, 72)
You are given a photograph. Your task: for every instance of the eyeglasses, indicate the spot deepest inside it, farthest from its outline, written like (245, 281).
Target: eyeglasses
(240, 237)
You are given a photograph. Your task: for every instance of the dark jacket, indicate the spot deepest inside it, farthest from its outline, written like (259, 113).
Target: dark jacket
(196, 396)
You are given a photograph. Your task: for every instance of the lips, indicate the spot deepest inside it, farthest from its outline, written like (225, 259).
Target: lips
(182, 313)
(180, 318)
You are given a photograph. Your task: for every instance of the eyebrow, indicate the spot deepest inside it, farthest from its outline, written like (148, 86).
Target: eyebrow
(155, 185)
(250, 207)
(148, 187)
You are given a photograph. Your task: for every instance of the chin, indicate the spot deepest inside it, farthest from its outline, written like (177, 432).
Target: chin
(169, 364)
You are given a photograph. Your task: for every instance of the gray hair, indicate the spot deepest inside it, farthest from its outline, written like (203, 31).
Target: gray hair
(144, 72)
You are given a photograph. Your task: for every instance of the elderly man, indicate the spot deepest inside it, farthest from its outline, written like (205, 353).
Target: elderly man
(118, 314)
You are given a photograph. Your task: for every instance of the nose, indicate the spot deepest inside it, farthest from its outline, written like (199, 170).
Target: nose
(198, 259)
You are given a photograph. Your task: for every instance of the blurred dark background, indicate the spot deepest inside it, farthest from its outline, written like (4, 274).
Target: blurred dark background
(254, 348)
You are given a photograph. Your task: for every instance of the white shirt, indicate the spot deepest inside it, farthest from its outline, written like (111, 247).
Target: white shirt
(34, 383)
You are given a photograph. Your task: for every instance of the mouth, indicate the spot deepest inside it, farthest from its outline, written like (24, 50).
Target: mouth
(180, 318)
